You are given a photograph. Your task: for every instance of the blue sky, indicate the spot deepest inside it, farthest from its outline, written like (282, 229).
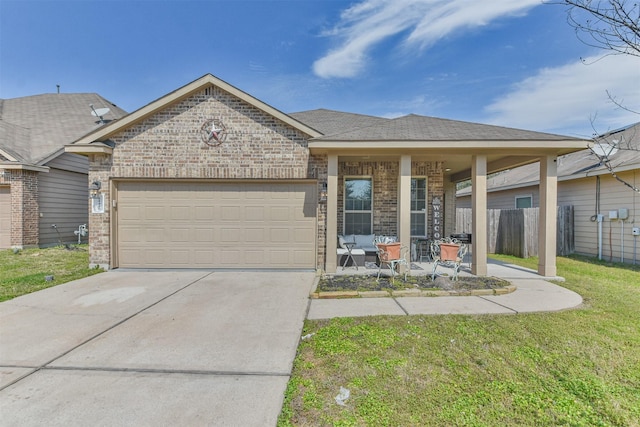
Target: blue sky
(514, 63)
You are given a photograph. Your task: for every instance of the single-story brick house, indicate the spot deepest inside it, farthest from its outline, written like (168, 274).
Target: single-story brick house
(590, 187)
(208, 176)
(40, 183)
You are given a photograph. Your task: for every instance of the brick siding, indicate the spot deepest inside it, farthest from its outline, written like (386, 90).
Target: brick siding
(24, 206)
(385, 175)
(168, 145)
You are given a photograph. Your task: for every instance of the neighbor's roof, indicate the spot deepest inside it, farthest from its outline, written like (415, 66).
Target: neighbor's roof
(32, 128)
(575, 165)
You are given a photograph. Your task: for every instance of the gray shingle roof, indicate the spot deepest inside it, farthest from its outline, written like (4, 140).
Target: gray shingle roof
(34, 127)
(353, 127)
(330, 122)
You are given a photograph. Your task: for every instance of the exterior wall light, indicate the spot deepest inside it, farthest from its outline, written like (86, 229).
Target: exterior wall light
(323, 192)
(94, 189)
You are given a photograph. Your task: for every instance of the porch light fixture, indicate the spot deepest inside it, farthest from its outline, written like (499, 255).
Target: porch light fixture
(94, 189)
(323, 192)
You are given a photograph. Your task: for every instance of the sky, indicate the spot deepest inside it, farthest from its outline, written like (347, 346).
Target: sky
(514, 63)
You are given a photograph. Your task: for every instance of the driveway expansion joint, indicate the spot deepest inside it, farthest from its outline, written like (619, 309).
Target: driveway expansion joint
(104, 331)
(166, 371)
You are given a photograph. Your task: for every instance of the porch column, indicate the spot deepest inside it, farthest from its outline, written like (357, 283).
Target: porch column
(479, 213)
(332, 214)
(548, 211)
(404, 202)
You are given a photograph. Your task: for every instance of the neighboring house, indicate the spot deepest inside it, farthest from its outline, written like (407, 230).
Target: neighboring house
(41, 184)
(585, 183)
(208, 176)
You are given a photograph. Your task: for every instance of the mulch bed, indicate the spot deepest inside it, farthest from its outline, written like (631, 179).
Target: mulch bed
(368, 282)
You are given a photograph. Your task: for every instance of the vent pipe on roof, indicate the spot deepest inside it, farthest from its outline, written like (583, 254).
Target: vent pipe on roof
(58, 86)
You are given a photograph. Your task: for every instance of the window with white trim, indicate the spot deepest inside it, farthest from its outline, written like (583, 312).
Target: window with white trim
(418, 207)
(524, 202)
(358, 206)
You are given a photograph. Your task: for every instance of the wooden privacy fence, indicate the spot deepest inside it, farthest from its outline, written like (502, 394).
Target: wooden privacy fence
(515, 231)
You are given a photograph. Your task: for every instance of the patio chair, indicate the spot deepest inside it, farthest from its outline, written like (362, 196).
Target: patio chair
(448, 253)
(393, 258)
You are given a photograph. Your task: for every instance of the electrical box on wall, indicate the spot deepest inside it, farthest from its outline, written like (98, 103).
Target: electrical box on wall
(613, 214)
(635, 231)
(623, 213)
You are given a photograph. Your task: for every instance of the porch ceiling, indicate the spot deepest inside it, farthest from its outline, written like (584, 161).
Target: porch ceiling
(457, 164)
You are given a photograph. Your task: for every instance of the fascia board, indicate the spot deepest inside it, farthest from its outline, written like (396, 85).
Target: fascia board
(22, 166)
(86, 149)
(559, 147)
(7, 155)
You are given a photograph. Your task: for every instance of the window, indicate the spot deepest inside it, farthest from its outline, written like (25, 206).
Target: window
(358, 203)
(523, 202)
(419, 206)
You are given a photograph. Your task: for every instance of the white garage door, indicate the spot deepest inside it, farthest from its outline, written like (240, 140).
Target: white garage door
(5, 218)
(221, 225)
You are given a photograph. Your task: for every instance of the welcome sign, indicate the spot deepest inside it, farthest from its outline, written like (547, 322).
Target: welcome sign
(436, 209)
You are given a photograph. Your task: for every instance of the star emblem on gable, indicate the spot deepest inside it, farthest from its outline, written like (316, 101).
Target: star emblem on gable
(213, 132)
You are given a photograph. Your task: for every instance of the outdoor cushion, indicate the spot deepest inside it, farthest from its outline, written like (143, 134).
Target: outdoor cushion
(349, 238)
(354, 251)
(364, 240)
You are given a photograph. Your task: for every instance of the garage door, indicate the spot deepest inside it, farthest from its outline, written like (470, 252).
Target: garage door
(222, 225)
(5, 218)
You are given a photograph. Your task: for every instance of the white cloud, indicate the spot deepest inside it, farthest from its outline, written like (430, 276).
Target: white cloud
(566, 99)
(370, 22)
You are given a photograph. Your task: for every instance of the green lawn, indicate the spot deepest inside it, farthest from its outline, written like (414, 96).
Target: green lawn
(575, 368)
(25, 271)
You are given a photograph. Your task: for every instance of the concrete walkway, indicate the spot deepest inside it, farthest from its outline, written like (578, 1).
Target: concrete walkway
(534, 294)
(152, 348)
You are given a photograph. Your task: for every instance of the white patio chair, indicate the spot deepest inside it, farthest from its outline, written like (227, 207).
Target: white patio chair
(393, 261)
(448, 253)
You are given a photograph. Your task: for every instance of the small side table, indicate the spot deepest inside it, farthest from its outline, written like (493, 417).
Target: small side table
(349, 246)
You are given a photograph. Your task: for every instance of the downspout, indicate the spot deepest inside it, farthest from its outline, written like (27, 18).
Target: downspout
(622, 241)
(600, 218)
(597, 217)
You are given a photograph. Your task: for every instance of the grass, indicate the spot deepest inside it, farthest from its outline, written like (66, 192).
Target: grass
(574, 368)
(26, 271)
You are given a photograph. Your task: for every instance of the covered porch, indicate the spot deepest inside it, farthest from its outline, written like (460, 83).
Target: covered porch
(395, 169)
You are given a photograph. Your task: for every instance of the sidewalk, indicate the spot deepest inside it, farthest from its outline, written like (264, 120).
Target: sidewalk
(534, 294)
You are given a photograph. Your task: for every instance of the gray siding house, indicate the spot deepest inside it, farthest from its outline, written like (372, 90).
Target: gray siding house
(592, 189)
(40, 184)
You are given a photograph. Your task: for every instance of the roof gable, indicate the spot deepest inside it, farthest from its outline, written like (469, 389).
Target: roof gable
(181, 94)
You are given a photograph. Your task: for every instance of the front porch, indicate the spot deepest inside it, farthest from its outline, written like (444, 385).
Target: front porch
(532, 294)
(412, 196)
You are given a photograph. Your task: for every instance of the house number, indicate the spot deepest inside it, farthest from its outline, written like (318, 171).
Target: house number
(437, 218)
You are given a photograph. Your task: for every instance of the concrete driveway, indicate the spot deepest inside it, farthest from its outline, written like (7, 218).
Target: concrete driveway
(152, 348)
